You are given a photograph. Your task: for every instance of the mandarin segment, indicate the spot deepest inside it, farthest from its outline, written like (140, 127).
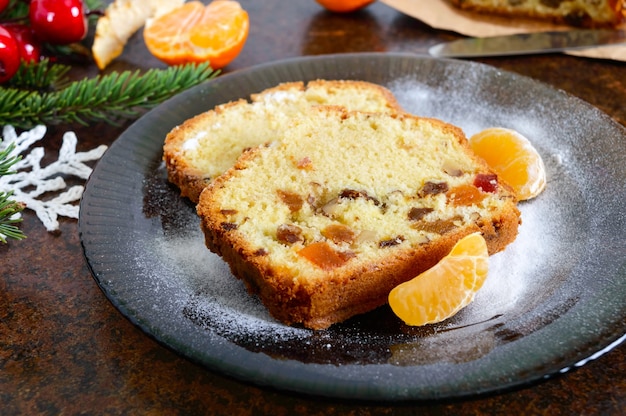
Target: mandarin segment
(513, 157)
(194, 33)
(441, 291)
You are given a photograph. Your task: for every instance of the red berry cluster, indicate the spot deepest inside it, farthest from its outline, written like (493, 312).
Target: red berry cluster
(58, 22)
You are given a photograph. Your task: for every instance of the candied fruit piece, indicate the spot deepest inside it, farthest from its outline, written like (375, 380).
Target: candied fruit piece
(289, 234)
(433, 188)
(464, 195)
(438, 226)
(305, 163)
(391, 242)
(339, 233)
(291, 199)
(416, 214)
(352, 194)
(324, 256)
(486, 182)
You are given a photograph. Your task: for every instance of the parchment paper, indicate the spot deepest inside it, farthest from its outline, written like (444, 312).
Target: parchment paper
(440, 14)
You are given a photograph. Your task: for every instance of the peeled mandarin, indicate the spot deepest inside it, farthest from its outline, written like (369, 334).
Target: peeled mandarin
(441, 291)
(513, 157)
(194, 33)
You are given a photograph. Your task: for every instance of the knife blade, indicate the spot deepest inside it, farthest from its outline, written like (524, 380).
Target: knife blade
(528, 43)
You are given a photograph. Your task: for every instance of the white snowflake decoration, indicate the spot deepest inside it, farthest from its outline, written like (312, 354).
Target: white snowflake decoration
(31, 180)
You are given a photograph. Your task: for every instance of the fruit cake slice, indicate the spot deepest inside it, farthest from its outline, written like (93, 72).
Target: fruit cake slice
(205, 146)
(323, 223)
(585, 13)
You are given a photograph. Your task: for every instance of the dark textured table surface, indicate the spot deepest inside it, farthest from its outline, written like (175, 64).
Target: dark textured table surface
(64, 349)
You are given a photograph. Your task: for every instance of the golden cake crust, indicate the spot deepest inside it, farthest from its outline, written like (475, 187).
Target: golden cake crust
(296, 291)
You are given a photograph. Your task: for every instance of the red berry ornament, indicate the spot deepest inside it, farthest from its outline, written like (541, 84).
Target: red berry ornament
(58, 21)
(9, 55)
(29, 47)
(3, 5)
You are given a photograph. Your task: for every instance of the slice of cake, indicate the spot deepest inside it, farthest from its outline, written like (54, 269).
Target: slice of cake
(205, 146)
(585, 13)
(323, 223)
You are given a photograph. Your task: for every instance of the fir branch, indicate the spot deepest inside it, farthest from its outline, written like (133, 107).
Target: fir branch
(8, 219)
(94, 9)
(42, 75)
(17, 10)
(7, 161)
(8, 207)
(107, 98)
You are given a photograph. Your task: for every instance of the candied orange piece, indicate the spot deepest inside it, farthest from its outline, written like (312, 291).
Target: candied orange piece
(291, 199)
(194, 32)
(339, 233)
(513, 157)
(444, 289)
(323, 255)
(463, 195)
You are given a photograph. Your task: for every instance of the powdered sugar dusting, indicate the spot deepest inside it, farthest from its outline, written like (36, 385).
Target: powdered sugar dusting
(210, 294)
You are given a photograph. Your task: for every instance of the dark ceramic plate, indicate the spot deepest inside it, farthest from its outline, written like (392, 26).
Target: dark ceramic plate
(553, 300)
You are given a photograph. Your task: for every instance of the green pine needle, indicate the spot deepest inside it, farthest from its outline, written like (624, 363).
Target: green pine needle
(15, 11)
(107, 98)
(9, 207)
(7, 161)
(40, 76)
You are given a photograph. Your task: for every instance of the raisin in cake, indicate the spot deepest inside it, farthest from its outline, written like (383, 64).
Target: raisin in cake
(586, 13)
(323, 223)
(205, 146)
